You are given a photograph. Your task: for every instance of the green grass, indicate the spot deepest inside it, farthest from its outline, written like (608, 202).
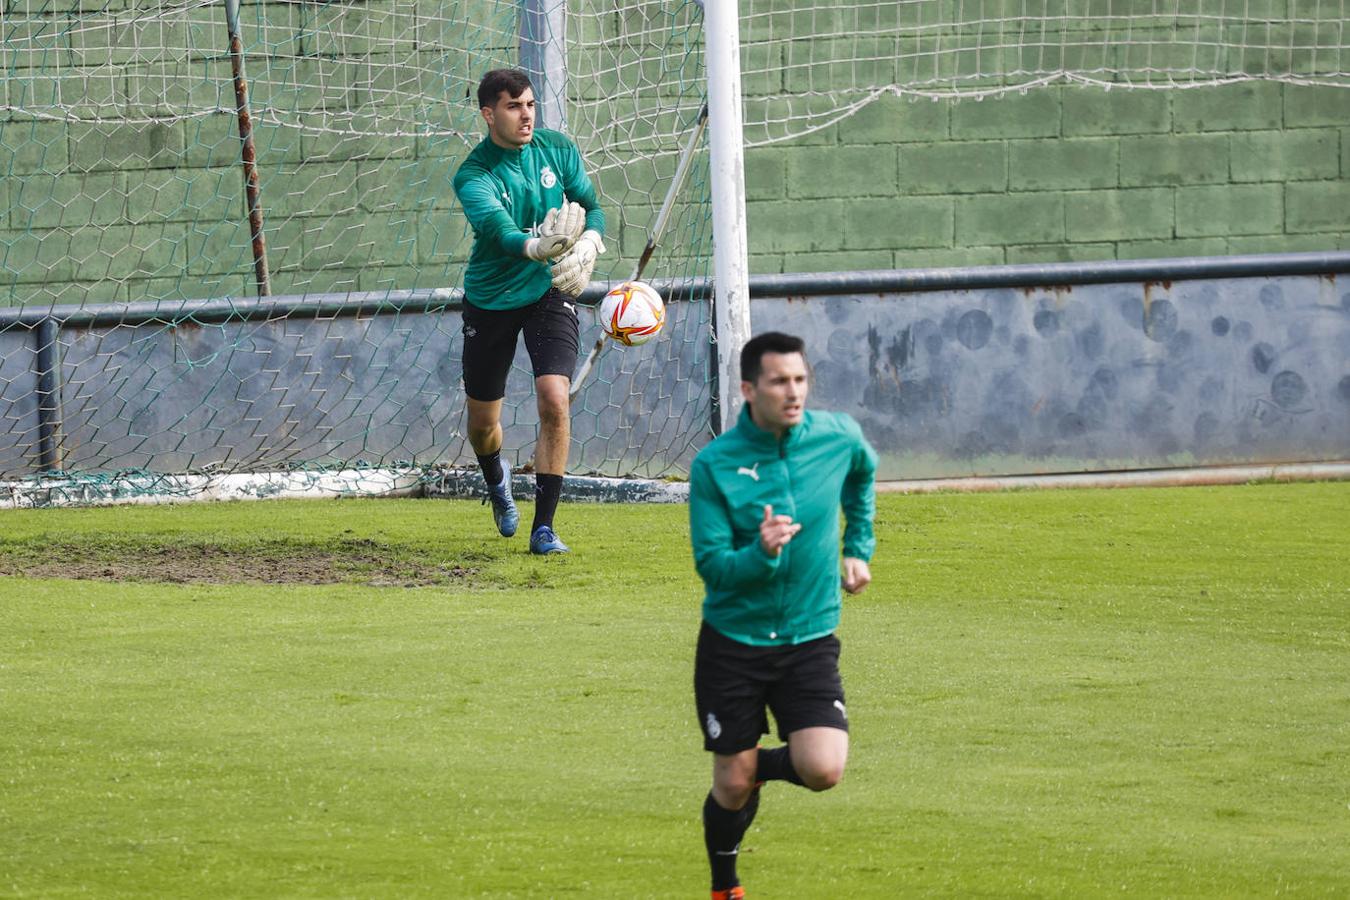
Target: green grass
(1060, 694)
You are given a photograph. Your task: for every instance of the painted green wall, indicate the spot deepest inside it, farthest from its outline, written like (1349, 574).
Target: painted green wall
(1058, 174)
(94, 212)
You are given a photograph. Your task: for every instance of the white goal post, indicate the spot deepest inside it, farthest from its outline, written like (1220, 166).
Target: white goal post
(731, 253)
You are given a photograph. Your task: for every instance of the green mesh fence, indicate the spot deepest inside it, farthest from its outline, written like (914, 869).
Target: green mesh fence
(136, 354)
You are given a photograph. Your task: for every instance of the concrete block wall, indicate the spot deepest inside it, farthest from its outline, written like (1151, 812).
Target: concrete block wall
(120, 174)
(94, 211)
(1058, 174)
(103, 212)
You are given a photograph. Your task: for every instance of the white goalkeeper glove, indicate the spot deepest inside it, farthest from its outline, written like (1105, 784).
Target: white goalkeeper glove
(572, 271)
(558, 232)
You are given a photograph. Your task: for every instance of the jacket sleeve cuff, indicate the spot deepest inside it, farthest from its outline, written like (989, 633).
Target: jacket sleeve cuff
(595, 220)
(861, 548)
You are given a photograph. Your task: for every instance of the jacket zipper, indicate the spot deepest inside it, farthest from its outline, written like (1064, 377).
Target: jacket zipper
(781, 618)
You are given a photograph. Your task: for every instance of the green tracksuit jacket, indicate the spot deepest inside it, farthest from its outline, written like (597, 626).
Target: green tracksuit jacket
(505, 194)
(818, 467)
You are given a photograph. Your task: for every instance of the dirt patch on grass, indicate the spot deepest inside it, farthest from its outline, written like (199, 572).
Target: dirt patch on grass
(259, 562)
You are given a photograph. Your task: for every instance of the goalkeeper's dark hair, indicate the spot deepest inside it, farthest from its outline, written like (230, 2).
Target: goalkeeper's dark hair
(513, 81)
(752, 354)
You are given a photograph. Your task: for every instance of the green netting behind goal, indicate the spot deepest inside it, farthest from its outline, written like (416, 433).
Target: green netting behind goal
(135, 345)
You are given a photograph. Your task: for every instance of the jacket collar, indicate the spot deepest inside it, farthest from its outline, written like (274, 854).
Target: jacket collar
(496, 152)
(758, 437)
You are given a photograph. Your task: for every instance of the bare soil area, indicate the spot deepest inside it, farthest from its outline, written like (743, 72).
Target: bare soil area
(279, 562)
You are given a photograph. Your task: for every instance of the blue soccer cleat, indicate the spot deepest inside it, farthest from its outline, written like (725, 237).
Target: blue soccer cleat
(504, 511)
(544, 542)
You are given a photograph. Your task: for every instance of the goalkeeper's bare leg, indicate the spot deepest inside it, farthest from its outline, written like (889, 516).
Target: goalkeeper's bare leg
(485, 426)
(485, 436)
(550, 459)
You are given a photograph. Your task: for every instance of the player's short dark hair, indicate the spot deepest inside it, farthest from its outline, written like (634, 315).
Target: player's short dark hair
(752, 354)
(513, 81)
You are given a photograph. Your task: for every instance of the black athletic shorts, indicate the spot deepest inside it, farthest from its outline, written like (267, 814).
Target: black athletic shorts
(552, 337)
(734, 682)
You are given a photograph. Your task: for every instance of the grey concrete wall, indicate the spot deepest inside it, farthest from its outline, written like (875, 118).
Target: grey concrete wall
(946, 383)
(18, 402)
(1089, 378)
(338, 391)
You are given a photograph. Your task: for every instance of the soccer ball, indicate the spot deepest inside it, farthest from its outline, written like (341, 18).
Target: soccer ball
(632, 313)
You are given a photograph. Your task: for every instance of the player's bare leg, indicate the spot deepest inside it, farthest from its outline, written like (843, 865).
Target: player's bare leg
(555, 424)
(485, 436)
(727, 813)
(813, 758)
(485, 426)
(550, 459)
(734, 778)
(819, 756)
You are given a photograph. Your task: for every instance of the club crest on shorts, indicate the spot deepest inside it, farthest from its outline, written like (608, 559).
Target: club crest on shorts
(547, 178)
(713, 727)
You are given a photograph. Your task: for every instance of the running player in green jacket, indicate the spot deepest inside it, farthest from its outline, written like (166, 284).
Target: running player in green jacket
(537, 231)
(764, 511)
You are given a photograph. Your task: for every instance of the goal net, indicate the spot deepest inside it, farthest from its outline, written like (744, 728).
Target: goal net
(808, 64)
(146, 336)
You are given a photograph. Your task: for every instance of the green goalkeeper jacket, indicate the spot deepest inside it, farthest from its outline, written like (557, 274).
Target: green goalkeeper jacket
(505, 195)
(818, 467)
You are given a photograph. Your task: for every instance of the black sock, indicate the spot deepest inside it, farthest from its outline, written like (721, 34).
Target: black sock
(748, 811)
(492, 467)
(776, 765)
(722, 833)
(547, 490)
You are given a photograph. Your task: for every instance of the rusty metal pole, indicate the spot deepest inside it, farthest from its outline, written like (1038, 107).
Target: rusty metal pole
(252, 185)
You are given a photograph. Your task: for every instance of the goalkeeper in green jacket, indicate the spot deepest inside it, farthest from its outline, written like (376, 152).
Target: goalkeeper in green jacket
(537, 232)
(764, 507)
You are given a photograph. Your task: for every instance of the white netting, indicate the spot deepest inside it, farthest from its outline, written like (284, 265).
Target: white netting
(808, 64)
(127, 221)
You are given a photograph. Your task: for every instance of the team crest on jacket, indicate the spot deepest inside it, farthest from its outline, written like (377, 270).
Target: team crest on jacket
(547, 178)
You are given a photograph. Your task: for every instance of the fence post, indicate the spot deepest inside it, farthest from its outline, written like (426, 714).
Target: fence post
(50, 451)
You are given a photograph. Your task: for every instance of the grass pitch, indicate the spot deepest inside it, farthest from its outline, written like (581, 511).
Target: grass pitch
(1060, 694)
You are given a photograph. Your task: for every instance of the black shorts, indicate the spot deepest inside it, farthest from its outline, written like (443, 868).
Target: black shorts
(552, 337)
(734, 682)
